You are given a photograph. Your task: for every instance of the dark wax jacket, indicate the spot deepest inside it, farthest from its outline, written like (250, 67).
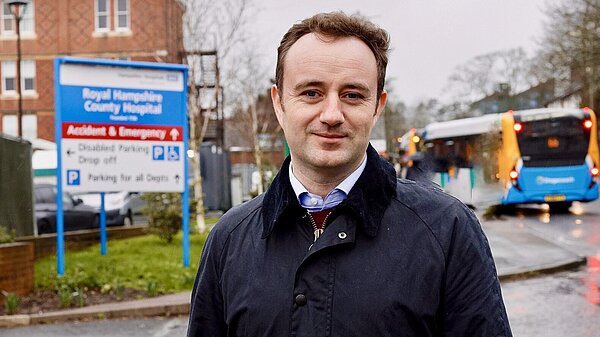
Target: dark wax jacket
(398, 259)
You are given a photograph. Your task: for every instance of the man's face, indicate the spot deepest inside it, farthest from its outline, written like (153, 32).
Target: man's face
(328, 104)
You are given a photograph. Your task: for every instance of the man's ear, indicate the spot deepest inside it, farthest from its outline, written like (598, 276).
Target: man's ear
(380, 106)
(277, 106)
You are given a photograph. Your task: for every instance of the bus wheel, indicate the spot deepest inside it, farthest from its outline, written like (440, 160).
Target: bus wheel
(560, 207)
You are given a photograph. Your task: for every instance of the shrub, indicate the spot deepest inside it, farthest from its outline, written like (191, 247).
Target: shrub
(79, 296)
(118, 288)
(151, 287)
(164, 214)
(65, 296)
(72, 287)
(79, 279)
(12, 302)
(6, 235)
(188, 278)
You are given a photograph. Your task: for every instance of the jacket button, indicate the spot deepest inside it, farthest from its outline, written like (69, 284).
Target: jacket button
(300, 300)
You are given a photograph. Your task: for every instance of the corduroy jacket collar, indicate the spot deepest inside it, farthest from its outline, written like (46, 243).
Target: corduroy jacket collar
(367, 200)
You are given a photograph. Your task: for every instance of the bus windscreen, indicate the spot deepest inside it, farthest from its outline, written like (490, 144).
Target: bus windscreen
(559, 141)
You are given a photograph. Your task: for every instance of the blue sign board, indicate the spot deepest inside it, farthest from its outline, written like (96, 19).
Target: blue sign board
(120, 126)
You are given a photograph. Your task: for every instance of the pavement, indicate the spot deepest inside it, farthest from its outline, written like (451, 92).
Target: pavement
(518, 252)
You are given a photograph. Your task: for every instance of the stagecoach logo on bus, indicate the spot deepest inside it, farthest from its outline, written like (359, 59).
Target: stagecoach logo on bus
(541, 180)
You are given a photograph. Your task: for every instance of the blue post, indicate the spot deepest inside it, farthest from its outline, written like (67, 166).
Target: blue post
(102, 226)
(185, 203)
(60, 228)
(186, 228)
(60, 242)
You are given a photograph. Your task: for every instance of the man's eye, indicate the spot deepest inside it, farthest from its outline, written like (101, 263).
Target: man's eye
(311, 94)
(353, 96)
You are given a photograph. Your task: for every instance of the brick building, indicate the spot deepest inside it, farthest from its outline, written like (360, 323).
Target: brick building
(136, 30)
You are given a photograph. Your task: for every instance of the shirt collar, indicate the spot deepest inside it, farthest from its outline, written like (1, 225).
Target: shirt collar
(345, 186)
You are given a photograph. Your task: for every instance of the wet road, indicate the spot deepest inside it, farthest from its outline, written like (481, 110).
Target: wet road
(578, 230)
(562, 305)
(567, 303)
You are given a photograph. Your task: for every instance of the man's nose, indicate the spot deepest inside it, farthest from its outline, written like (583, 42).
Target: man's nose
(332, 111)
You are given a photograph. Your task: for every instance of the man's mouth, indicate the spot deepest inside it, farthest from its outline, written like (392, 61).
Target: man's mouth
(330, 135)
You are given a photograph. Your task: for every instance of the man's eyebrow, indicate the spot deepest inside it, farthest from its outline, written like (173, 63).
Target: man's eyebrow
(358, 86)
(308, 83)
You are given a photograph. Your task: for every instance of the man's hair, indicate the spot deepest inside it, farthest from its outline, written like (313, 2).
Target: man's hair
(337, 25)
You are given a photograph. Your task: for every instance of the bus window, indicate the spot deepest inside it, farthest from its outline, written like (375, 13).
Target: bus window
(560, 141)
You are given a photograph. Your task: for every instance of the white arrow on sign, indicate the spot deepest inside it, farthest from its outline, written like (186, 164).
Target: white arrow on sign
(174, 133)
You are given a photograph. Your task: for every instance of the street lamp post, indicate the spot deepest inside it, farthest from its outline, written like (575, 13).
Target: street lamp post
(17, 8)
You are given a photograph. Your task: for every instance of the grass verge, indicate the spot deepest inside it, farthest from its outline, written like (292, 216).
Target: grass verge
(143, 263)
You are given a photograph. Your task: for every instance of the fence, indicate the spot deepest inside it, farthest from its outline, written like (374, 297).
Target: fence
(16, 188)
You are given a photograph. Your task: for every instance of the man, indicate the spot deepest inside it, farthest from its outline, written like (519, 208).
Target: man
(338, 246)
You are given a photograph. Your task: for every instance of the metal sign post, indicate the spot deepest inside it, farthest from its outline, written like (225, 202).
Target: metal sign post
(102, 225)
(120, 126)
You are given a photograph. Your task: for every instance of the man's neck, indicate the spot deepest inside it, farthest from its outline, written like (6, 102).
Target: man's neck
(317, 183)
(321, 181)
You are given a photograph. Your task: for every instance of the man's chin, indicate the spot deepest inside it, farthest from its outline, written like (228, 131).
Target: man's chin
(327, 160)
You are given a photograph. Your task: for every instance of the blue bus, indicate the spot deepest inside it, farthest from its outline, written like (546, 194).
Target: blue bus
(545, 155)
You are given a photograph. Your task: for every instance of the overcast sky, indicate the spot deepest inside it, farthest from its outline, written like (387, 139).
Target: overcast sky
(429, 37)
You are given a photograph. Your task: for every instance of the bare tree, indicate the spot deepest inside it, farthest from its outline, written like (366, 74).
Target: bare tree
(482, 75)
(423, 113)
(570, 48)
(209, 27)
(254, 119)
(395, 121)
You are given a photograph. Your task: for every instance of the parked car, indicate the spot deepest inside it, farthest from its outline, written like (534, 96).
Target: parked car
(122, 208)
(76, 214)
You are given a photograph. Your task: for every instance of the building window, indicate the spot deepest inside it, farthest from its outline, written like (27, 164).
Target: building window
(102, 15)
(27, 25)
(29, 126)
(121, 15)
(9, 75)
(28, 76)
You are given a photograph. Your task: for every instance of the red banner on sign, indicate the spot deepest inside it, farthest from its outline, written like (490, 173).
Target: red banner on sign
(122, 132)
